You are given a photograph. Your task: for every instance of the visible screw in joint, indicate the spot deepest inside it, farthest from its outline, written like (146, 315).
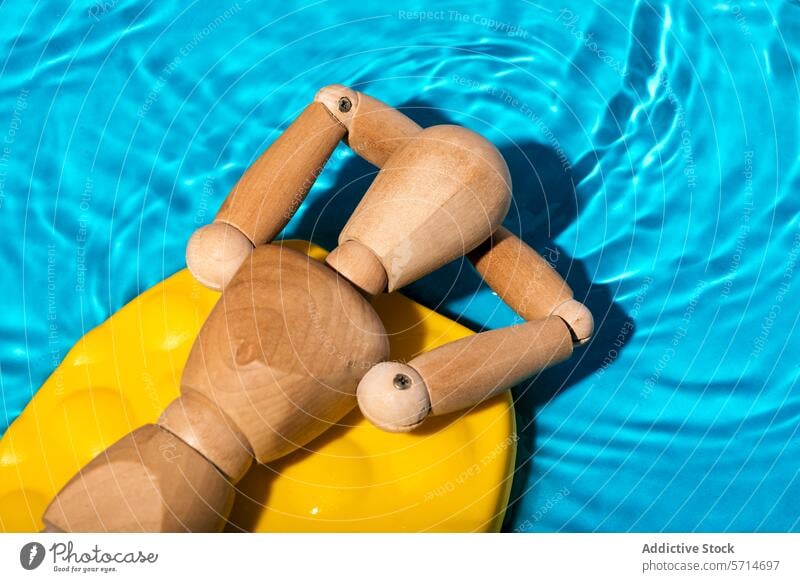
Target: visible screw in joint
(402, 382)
(345, 104)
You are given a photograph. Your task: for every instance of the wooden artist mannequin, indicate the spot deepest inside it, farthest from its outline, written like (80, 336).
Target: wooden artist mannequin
(293, 344)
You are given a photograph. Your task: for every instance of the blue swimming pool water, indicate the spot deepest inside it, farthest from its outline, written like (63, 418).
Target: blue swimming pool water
(654, 153)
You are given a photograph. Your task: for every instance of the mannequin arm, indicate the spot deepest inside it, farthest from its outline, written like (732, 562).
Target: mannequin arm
(528, 284)
(398, 397)
(267, 195)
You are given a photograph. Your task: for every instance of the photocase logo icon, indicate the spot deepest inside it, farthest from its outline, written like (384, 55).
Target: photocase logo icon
(31, 555)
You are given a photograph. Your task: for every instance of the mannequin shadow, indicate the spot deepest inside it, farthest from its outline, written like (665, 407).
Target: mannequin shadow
(545, 203)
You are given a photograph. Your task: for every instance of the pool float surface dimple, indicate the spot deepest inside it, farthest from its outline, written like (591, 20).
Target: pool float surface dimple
(452, 475)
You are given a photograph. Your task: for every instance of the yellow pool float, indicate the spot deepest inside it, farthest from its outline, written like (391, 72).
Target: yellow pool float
(453, 475)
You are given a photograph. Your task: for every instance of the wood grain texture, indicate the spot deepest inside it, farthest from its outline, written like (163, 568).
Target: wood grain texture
(215, 252)
(388, 407)
(360, 266)
(466, 372)
(283, 350)
(271, 190)
(519, 275)
(374, 129)
(529, 284)
(201, 424)
(148, 481)
(378, 130)
(436, 198)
